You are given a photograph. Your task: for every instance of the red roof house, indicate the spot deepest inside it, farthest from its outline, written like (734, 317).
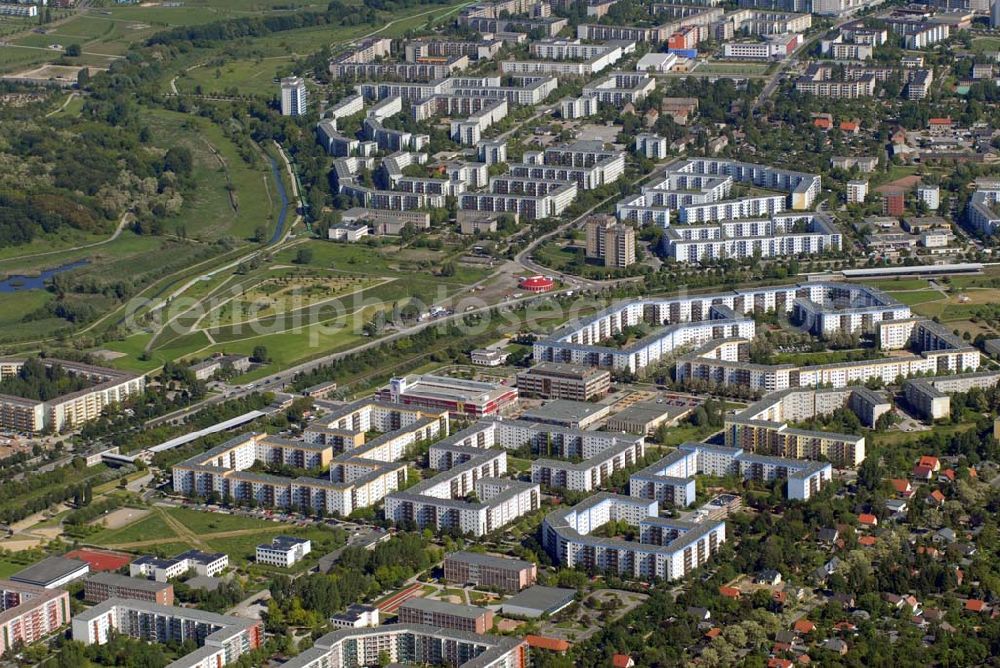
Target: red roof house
(868, 520)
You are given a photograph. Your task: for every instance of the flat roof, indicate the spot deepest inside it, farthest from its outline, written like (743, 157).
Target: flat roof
(648, 411)
(483, 559)
(542, 599)
(565, 410)
(115, 580)
(444, 608)
(49, 570)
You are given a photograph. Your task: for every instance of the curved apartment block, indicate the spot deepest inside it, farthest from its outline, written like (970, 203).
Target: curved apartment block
(682, 323)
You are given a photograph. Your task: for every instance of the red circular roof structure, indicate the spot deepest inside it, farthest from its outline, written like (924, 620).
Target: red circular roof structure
(536, 283)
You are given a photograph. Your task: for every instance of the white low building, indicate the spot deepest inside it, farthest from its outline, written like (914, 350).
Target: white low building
(283, 551)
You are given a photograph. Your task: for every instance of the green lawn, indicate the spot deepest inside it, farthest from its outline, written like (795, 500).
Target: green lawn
(917, 297)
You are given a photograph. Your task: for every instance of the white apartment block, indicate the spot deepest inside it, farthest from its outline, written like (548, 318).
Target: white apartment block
(221, 639)
(592, 473)
(933, 350)
(652, 146)
(982, 210)
(526, 197)
(930, 195)
(668, 549)
(823, 307)
(587, 163)
(857, 191)
(778, 236)
(294, 97)
(412, 644)
(283, 551)
(671, 480)
(697, 190)
(468, 464)
(68, 411)
(364, 472)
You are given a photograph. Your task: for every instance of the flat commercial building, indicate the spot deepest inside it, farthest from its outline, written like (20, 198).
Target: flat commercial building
(52, 572)
(412, 644)
(102, 586)
(221, 639)
(486, 571)
(567, 413)
(538, 600)
(29, 613)
(459, 396)
(441, 614)
(574, 382)
(645, 418)
(668, 549)
(68, 411)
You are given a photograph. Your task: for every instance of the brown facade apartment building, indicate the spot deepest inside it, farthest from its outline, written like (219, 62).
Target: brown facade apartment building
(445, 615)
(102, 586)
(483, 570)
(552, 380)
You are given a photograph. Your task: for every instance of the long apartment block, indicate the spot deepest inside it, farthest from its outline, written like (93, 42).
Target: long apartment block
(698, 190)
(412, 644)
(672, 479)
(526, 90)
(587, 163)
(694, 320)
(469, 461)
(701, 16)
(616, 89)
(526, 197)
(667, 548)
(782, 235)
(360, 476)
(765, 427)
(221, 639)
(108, 386)
(931, 350)
(929, 397)
(622, 452)
(565, 57)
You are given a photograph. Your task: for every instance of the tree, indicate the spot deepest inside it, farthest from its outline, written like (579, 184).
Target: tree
(73, 50)
(259, 355)
(260, 234)
(304, 256)
(178, 160)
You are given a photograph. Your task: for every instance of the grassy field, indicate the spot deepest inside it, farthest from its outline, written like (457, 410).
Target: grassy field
(920, 296)
(173, 530)
(211, 214)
